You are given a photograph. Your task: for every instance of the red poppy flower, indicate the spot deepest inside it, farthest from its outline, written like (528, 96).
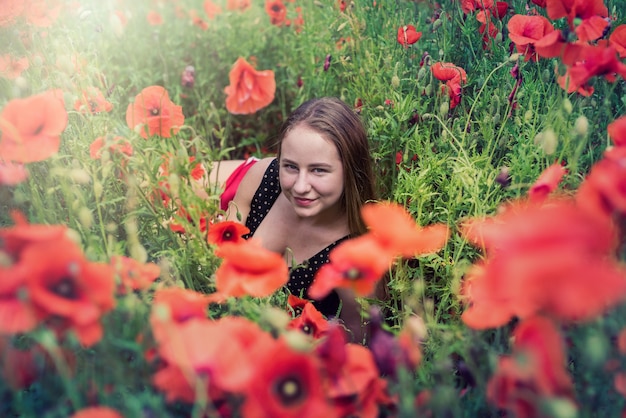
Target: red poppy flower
(173, 306)
(468, 6)
(286, 384)
(97, 412)
(591, 29)
(226, 231)
(12, 174)
(355, 264)
(11, 67)
(572, 9)
(310, 322)
(92, 101)
(487, 27)
(525, 30)
(64, 286)
(240, 5)
(596, 61)
(42, 13)
(10, 11)
(31, 127)
(540, 3)
(547, 182)
(540, 259)
(617, 40)
(277, 11)
(407, 35)
(249, 269)
(154, 18)
(203, 349)
(536, 370)
(296, 305)
(602, 193)
(153, 113)
(196, 20)
(397, 232)
(249, 90)
(116, 145)
(133, 274)
(453, 77)
(617, 131)
(211, 9)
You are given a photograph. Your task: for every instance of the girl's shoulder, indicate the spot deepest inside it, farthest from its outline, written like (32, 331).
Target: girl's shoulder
(248, 187)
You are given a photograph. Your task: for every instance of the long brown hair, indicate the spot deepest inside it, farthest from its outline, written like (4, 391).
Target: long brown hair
(338, 123)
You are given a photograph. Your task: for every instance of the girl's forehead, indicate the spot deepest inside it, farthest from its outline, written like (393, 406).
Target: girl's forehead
(304, 143)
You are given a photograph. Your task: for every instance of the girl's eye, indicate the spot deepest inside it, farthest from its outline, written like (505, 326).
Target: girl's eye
(290, 167)
(319, 170)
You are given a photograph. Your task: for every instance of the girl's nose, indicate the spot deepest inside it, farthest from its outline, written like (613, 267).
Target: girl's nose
(301, 186)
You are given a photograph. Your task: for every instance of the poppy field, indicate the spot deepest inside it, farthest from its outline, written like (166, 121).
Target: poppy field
(498, 135)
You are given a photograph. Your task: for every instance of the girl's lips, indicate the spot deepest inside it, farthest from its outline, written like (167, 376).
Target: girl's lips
(303, 202)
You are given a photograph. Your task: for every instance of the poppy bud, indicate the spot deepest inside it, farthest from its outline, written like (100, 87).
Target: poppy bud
(567, 106)
(97, 189)
(395, 81)
(327, 62)
(504, 177)
(547, 141)
(436, 24)
(581, 126)
(85, 217)
(421, 73)
(444, 108)
(187, 78)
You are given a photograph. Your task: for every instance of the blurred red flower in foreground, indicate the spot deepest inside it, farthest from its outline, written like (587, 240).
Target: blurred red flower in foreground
(249, 269)
(286, 383)
(408, 35)
(552, 258)
(277, 11)
(249, 90)
(453, 77)
(617, 40)
(153, 113)
(603, 192)
(12, 174)
(97, 412)
(536, 370)
(359, 263)
(31, 127)
(65, 288)
(398, 233)
(92, 101)
(547, 182)
(617, 131)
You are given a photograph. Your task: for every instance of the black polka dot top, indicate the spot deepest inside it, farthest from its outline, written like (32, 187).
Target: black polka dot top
(301, 276)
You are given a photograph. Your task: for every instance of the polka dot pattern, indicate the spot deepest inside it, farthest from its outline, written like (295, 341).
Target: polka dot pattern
(300, 277)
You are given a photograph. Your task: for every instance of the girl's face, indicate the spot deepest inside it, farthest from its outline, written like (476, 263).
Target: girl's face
(311, 173)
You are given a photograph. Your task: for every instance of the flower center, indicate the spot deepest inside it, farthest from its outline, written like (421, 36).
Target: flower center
(307, 329)
(352, 274)
(66, 288)
(227, 235)
(276, 8)
(290, 391)
(155, 111)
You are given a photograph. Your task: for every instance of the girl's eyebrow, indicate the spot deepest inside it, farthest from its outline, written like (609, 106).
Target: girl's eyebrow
(287, 160)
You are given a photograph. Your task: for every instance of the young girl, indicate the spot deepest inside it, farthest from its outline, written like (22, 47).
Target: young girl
(308, 199)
